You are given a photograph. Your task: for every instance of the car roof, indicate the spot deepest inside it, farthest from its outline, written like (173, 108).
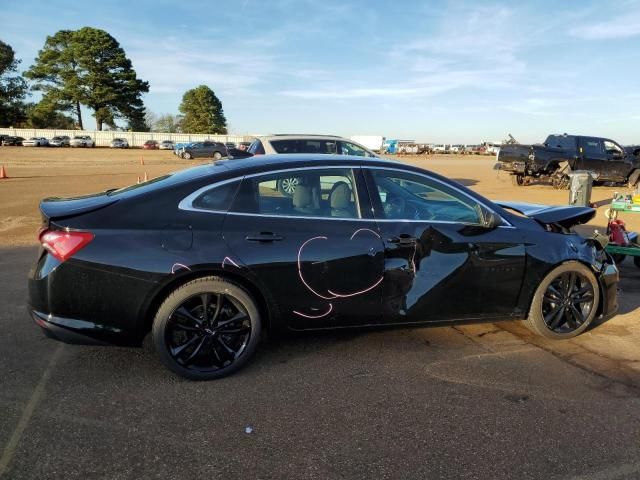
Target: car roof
(287, 136)
(303, 160)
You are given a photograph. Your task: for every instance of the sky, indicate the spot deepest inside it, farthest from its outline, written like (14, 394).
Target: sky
(433, 71)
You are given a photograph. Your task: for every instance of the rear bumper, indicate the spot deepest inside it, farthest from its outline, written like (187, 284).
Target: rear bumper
(68, 330)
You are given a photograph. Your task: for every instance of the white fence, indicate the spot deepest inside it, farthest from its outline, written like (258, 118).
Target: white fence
(136, 139)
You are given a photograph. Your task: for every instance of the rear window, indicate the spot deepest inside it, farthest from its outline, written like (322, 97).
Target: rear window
(256, 148)
(560, 141)
(217, 198)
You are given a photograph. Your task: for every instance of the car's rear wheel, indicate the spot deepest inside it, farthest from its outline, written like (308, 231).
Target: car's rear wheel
(565, 303)
(217, 155)
(186, 156)
(206, 329)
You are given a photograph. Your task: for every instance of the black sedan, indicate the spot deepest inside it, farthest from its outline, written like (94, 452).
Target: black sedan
(207, 149)
(207, 258)
(12, 141)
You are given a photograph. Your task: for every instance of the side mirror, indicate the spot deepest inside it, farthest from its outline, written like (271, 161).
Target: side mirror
(491, 220)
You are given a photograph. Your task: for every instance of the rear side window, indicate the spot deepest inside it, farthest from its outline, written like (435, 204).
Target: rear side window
(560, 141)
(218, 198)
(256, 148)
(304, 146)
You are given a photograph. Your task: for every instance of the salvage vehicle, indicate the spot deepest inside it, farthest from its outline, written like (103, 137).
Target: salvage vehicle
(559, 155)
(119, 143)
(205, 259)
(286, 144)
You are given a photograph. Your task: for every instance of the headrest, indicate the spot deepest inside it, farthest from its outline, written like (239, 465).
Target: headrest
(341, 196)
(302, 196)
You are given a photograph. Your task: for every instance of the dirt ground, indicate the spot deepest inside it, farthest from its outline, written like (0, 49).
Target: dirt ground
(35, 173)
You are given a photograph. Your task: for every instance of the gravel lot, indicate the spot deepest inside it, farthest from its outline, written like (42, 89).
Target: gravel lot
(487, 401)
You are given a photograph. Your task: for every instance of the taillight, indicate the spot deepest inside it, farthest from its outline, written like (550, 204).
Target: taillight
(62, 244)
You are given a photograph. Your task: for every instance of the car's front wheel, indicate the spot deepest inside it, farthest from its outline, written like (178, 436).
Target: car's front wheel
(186, 156)
(565, 303)
(206, 329)
(217, 155)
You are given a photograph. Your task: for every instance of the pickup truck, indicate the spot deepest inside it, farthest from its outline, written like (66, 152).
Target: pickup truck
(561, 154)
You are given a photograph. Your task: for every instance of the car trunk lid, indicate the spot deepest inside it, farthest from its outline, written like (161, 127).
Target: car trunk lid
(56, 208)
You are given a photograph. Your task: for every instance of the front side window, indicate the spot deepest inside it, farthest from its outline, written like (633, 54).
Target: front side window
(326, 193)
(612, 149)
(405, 196)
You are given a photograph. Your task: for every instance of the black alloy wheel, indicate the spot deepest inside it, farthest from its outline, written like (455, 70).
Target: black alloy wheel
(565, 303)
(206, 329)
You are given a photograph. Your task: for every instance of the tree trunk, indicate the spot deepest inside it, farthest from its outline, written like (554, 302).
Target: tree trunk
(79, 114)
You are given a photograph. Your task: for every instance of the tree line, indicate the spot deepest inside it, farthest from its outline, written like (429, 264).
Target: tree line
(88, 67)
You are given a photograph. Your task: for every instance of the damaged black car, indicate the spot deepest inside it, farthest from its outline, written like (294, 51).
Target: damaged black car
(206, 259)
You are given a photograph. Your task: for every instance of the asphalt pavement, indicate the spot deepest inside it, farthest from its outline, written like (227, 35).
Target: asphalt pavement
(476, 402)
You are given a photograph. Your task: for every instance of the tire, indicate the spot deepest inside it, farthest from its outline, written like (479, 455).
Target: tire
(287, 186)
(210, 349)
(633, 179)
(217, 155)
(186, 156)
(518, 180)
(554, 287)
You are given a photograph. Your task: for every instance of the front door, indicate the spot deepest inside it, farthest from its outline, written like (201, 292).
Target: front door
(310, 247)
(593, 156)
(441, 262)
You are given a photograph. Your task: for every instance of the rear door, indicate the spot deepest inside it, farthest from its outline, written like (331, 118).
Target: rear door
(440, 262)
(314, 250)
(619, 163)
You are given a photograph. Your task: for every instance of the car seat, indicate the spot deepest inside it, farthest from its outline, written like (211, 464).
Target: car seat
(340, 200)
(303, 200)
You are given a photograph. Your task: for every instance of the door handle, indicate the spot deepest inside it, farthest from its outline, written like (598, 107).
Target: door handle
(403, 240)
(263, 237)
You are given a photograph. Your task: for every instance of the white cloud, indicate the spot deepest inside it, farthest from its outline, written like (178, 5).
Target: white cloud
(622, 26)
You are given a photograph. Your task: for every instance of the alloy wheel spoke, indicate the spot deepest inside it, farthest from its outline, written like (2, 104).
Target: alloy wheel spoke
(577, 314)
(236, 331)
(557, 296)
(557, 319)
(228, 349)
(184, 313)
(206, 300)
(216, 314)
(236, 318)
(177, 351)
(571, 319)
(571, 283)
(550, 316)
(195, 351)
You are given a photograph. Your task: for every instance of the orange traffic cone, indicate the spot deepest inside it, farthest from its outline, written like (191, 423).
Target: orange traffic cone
(141, 160)
(3, 174)
(146, 179)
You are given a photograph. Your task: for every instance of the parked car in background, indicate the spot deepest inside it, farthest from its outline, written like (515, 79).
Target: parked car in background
(230, 145)
(244, 145)
(166, 145)
(82, 141)
(35, 142)
(441, 148)
(12, 141)
(150, 145)
(207, 149)
(364, 242)
(119, 143)
(322, 144)
(60, 141)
